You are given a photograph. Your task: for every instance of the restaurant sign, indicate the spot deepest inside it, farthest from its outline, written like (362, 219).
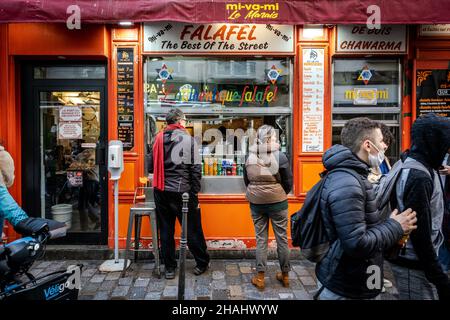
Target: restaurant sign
(433, 92)
(360, 39)
(433, 30)
(218, 38)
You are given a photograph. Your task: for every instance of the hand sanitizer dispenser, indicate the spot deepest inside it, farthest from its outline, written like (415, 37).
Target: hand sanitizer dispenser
(115, 167)
(115, 159)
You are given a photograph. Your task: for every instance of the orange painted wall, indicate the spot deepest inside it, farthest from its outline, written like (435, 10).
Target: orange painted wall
(37, 41)
(223, 217)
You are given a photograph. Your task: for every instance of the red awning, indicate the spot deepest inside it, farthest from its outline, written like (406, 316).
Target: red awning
(220, 11)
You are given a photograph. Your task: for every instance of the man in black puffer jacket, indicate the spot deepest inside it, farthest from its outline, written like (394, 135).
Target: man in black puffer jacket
(357, 234)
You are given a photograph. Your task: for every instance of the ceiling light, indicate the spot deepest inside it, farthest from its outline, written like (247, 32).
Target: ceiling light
(125, 23)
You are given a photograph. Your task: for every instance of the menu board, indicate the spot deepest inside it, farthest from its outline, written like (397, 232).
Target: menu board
(433, 92)
(313, 99)
(125, 96)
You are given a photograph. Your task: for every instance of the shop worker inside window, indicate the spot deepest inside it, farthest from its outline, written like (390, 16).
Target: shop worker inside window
(176, 167)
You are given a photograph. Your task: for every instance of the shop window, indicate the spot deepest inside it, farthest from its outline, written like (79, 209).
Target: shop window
(367, 88)
(225, 101)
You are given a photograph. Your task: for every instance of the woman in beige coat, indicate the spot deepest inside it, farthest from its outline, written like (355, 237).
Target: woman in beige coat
(268, 178)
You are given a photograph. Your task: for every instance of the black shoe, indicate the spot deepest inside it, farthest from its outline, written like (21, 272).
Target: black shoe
(200, 270)
(170, 274)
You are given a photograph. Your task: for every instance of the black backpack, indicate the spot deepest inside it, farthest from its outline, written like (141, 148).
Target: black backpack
(307, 226)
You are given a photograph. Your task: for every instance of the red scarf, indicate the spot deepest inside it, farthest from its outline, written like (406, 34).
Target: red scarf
(158, 156)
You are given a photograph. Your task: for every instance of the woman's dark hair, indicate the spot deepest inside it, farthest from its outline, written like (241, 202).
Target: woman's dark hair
(388, 137)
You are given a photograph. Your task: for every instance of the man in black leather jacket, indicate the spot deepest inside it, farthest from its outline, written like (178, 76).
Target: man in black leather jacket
(353, 267)
(179, 172)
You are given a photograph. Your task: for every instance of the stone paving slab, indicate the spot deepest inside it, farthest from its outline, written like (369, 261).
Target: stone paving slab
(225, 280)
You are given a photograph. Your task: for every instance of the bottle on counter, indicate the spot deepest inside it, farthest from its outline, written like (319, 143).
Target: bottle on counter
(206, 167)
(240, 170)
(219, 168)
(283, 143)
(214, 167)
(233, 169)
(210, 166)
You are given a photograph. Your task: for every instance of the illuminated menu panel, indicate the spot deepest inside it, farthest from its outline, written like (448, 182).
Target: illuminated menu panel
(125, 96)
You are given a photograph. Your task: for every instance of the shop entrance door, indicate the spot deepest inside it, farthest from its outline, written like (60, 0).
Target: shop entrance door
(63, 154)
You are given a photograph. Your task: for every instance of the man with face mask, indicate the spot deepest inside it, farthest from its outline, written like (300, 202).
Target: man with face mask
(417, 270)
(353, 266)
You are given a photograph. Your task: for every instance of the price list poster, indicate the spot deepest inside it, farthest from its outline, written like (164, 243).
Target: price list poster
(313, 100)
(125, 96)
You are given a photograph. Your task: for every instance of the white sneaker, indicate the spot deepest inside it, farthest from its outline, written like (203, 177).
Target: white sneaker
(387, 283)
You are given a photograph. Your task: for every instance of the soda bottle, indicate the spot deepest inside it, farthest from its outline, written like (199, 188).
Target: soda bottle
(215, 167)
(240, 170)
(233, 170)
(219, 168)
(210, 167)
(206, 167)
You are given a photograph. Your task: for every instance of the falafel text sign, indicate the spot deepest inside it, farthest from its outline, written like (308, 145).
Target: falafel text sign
(220, 37)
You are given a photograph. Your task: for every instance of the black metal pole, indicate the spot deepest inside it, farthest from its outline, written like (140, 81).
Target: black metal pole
(183, 245)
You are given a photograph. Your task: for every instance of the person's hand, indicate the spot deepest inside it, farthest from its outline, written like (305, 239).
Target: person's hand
(407, 220)
(445, 171)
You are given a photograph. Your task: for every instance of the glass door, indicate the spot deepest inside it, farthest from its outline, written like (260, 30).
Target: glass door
(70, 177)
(64, 138)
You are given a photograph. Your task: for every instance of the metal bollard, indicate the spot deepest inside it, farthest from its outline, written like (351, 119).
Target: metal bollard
(183, 245)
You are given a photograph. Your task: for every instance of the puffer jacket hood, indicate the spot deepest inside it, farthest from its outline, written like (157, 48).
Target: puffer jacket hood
(339, 156)
(6, 168)
(265, 154)
(430, 136)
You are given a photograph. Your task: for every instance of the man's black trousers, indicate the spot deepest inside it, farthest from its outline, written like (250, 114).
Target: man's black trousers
(168, 209)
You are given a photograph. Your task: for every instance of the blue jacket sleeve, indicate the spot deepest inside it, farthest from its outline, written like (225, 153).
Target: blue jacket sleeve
(9, 209)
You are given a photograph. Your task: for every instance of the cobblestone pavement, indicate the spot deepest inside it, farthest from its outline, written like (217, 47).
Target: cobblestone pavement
(225, 280)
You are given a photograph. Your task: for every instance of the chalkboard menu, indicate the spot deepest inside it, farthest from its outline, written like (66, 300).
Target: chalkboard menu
(433, 92)
(125, 96)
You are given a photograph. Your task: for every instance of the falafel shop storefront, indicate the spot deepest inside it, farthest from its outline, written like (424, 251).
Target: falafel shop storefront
(231, 66)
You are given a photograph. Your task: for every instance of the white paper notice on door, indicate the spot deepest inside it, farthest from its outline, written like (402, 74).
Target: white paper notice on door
(313, 99)
(70, 113)
(70, 130)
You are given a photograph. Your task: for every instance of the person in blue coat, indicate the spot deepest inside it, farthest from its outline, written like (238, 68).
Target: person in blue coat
(9, 209)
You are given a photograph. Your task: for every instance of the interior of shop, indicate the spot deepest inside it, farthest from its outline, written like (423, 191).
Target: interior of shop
(70, 190)
(225, 101)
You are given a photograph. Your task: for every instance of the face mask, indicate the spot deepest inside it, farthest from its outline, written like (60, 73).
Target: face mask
(376, 161)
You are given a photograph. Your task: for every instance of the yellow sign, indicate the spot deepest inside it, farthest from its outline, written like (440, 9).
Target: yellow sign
(368, 93)
(252, 10)
(366, 96)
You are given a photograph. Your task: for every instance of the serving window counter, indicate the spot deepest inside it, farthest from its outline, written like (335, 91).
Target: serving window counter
(225, 101)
